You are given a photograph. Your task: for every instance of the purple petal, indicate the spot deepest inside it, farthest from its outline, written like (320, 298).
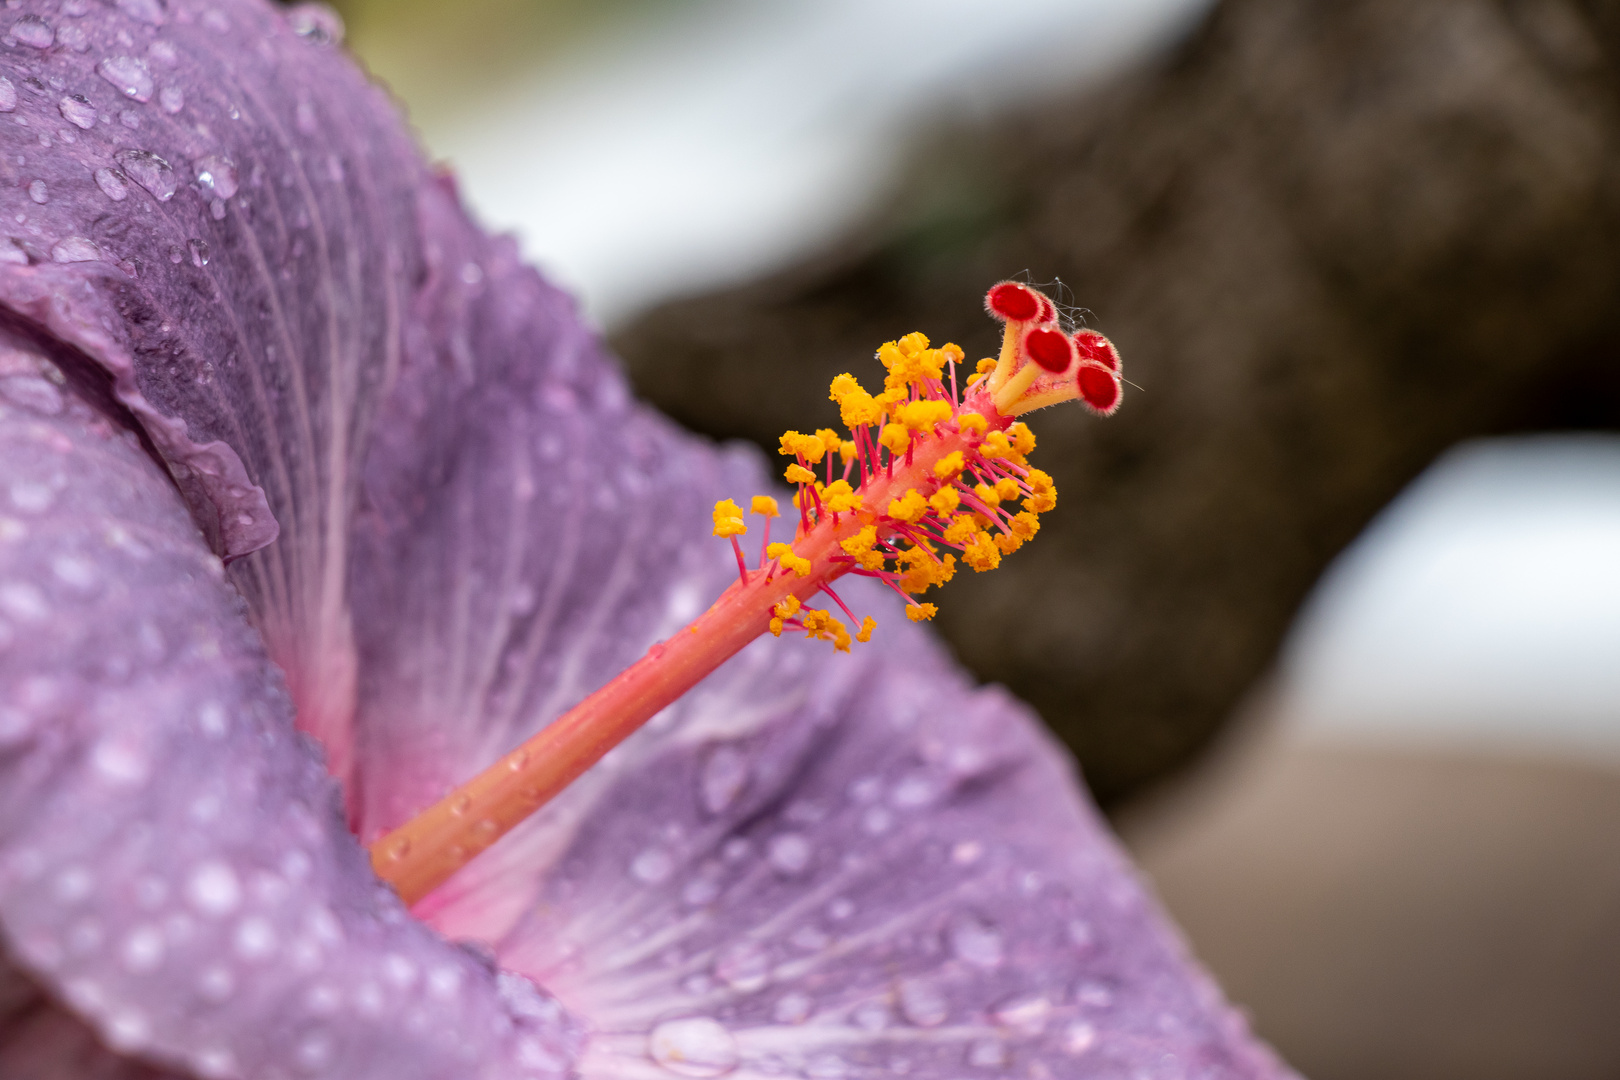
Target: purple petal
(174, 865)
(897, 876)
(239, 266)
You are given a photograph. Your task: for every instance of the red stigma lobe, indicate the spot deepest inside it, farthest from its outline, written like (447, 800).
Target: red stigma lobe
(1050, 348)
(1013, 302)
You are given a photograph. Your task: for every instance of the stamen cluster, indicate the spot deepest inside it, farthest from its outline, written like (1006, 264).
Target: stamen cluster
(927, 477)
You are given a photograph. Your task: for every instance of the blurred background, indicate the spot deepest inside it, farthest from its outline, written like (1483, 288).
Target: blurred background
(1330, 613)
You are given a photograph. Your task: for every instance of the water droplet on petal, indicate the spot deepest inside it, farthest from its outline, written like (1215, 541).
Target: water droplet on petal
(111, 183)
(399, 848)
(32, 392)
(696, 1046)
(75, 249)
(143, 949)
(217, 174)
(316, 23)
(922, 1003)
(987, 1054)
(1026, 1014)
(789, 854)
(23, 602)
(652, 866)
(745, 967)
(214, 889)
(793, 1008)
(150, 171)
(199, 259)
(171, 99)
(77, 110)
(8, 95)
(33, 30)
(147, 11)
(974, 941)
(461, 805)
(38, 192)
(129, 74)
(1079, 1037)
(725, 775)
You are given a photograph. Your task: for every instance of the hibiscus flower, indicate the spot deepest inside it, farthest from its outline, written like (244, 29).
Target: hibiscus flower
(314, 500)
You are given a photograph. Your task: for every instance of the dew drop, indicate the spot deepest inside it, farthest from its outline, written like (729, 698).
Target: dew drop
(120, 762)
(171, 99)
(696, 1046)
(745, 967)
(461, 805)
(1079, 1037)
(213, 889)
(77, 110)
(129, 74)
(27, 496)
(793, 1008)
(316, 23)
(73, 37)
(199, 259)
(789, 854)
(987, 1053)
(150, 171)
(724, 776)
(974, 941)
(652, 867)
(8, 95)
(127, 1031)
(217, 173)
(32, 392)
(922, 1003)
(518, 761)
(143, 949)
(38, 192)
(33, 30)
(255, 938)
(75, 249)
(74, 571)
(147, 11)
(1026, 1014)
(399, 849)
(871, 1016)
(23, 602)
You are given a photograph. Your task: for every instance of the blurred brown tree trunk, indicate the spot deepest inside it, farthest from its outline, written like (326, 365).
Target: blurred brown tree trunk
(1330, 239)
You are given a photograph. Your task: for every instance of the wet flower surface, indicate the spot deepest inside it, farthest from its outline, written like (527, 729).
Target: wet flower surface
(313, 501)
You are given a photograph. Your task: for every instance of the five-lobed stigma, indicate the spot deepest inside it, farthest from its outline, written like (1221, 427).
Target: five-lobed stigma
(931, 475)
(928, 476)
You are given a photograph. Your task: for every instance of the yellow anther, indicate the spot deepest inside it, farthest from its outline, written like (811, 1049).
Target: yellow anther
(925, 571)
(923, 415)
(950, 352)
(996, 445)
(783, 553)
(1023, 439)
(1008, 543)
(847, 451)
(843, 385)
(889, 354)
(986, 366)
(891, 397)
(1007, 489)
(921, 612)
(862, 546)
(764, 506)
(982, 554)
(972, 421)
(829, 439)
(728, 519)
(950, 466)
(840, 498)
(913, 343)
(1040, 482)
(961, 530)
(987, 495)
(797, 444)
(787, 608)
(909, 507)
(945, 501)
(855, 406)
(868, 624)
(1025, 525)
(776, 627)
(1040, 504)
(798, 474)
(895, 438)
